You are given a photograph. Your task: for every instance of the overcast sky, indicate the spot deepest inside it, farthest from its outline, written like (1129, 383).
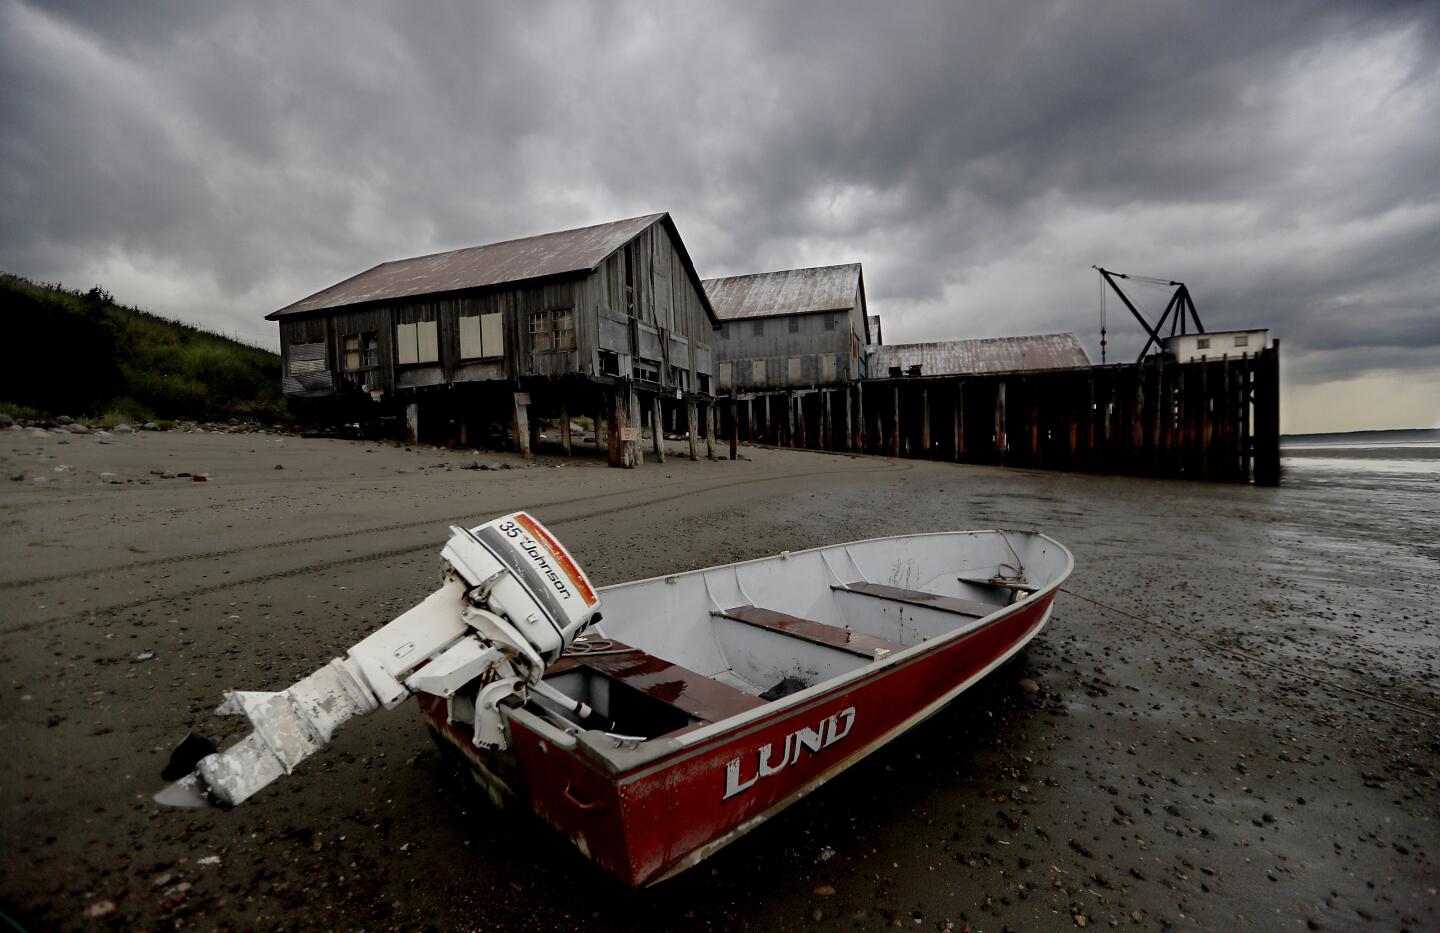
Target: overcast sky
(215, 161)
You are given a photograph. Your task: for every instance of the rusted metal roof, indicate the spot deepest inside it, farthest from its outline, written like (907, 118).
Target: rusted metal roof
(794, 291)
(534, 257)
(983, 355)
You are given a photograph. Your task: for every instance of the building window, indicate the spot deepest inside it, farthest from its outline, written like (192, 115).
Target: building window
(645, 371)
(552, 330)
(361, 352)
(794, 325)
(542, 333)
(482, 335)
(680, 378)
(704, 382)
(609, 363)
(1203, 343)
(564, 329)
(417, 343)
(829, 322)
(758, 328)
(1243, 340)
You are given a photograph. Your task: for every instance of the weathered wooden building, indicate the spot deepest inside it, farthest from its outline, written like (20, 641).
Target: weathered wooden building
(792, 344)
(981, 355)
(610, 320)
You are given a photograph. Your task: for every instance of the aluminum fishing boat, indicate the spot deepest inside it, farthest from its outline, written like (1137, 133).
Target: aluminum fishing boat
(696, 707)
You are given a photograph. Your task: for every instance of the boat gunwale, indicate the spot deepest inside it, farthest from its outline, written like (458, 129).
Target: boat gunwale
(704, 851)
(669, 751)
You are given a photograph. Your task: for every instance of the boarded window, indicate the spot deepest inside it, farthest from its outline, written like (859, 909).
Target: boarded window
(827, 367)
(417, 343)
(829, 322)
(427, 338)
(482, 335)
(757, 372)
(794, 325)
(725, 375)
(306, 370)
(758, 328)
(793, 369)
(305, 358)
(361, 352)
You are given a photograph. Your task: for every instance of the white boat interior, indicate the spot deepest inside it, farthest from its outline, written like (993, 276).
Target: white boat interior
(678, 652)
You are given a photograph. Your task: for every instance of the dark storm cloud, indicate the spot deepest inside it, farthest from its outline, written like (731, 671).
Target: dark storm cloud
(216, 162)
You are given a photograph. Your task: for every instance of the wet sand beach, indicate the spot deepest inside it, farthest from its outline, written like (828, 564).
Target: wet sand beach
(1251, 744)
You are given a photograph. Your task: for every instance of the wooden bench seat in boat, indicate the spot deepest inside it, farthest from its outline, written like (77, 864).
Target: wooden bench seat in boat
(964, 607)
(692, 693)
(819, 633)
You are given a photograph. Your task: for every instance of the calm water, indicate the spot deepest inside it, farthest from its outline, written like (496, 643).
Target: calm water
(1407, 463)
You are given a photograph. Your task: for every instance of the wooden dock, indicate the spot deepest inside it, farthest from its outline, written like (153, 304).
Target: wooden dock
(1214, 420)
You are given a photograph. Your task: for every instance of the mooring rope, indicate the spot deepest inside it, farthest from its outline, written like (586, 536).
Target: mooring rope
(1246, 656)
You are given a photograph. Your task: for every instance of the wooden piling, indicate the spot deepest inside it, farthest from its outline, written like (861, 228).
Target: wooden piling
(826, 428)
(412, 423)
(1001, 444)
(895, 424)
(860, 432)
(734, 430)
(1267, 416)
(959, 446)
(691, 431)
(565, 426)
(521, 424)
(657, 428)
(925, 421)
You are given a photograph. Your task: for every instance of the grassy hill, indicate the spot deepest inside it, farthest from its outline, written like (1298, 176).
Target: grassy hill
(80, 354)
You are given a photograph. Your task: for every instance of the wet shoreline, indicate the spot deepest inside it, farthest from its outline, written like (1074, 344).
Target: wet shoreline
(1117, 772)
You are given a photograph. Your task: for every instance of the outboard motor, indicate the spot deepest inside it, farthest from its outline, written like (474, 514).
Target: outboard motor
(512, 600)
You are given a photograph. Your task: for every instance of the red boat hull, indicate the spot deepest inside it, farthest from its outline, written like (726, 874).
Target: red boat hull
(649, 823)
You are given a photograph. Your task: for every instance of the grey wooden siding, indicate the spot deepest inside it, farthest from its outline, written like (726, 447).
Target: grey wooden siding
(777, 346)
(669, 327)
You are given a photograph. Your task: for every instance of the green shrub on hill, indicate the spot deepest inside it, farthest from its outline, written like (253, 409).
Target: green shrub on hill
(82, 354)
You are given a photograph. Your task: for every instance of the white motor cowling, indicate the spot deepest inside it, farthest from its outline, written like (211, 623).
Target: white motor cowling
(513, 599)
